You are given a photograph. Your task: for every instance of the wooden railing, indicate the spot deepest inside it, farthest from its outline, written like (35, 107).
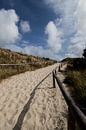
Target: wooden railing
(76, 118)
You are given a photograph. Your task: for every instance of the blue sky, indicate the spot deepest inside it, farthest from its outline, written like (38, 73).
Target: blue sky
(46, 28)
(36, 13)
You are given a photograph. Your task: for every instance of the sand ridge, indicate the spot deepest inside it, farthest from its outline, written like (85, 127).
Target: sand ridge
(47, 109)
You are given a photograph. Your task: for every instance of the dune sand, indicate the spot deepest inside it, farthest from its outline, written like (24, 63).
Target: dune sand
(26, 106)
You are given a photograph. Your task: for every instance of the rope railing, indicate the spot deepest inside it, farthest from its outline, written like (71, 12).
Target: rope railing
(76, 118)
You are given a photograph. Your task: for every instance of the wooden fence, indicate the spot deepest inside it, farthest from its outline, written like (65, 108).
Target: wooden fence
(76, 118)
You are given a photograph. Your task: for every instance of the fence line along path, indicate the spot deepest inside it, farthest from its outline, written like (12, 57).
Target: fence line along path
(26, 106)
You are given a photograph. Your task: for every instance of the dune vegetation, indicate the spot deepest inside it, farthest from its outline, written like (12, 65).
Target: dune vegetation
(75, 78)
(15, 63)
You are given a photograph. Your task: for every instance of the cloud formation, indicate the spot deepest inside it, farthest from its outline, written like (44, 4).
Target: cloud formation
(9, 34)
(67, 31)
(25, 27)
(72, 22)
(8, 29)
(54, 37)
(40, 51)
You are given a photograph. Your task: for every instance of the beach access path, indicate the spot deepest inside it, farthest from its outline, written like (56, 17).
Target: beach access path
(26, 103)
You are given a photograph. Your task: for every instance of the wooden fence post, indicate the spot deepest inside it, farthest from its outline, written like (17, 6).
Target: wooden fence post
(71, 121)
(55, 72)
(53, 80)
(59, 69)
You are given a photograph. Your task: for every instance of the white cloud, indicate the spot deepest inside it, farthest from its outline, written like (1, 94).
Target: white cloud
(81, 19)
(54, 37)
(66, 10)
(79, 39)
(39, 51)
(76, 50)
(33, 50)
(25, 27)
(72, 22)
(8, 29)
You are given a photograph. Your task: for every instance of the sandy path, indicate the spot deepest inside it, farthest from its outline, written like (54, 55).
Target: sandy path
(46, 107)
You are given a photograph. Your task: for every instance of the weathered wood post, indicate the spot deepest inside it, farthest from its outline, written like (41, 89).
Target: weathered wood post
(53, 79)
(71, 120)
(61, 65)
(55, 72)
(59, 68)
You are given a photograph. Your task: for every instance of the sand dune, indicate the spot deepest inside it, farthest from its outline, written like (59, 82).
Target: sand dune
(26, 106)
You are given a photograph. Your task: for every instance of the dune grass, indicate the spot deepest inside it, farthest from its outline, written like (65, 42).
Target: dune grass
(29, 63)
(77, 82)
(9, 70)
(75, 78)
